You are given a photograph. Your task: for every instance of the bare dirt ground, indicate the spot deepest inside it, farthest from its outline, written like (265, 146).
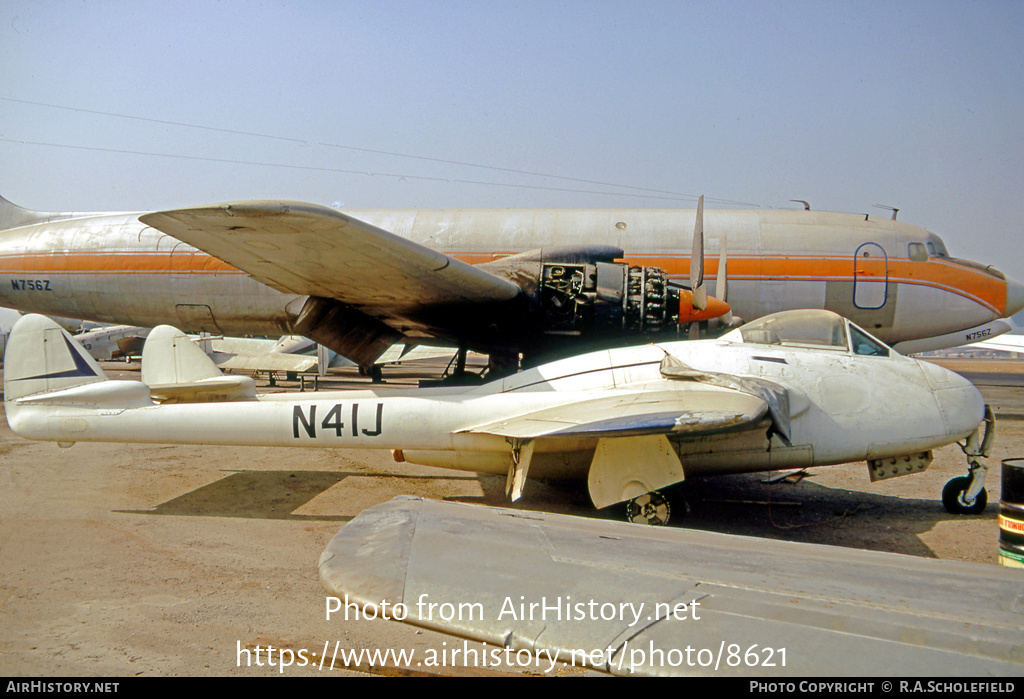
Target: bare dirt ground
(125, 560)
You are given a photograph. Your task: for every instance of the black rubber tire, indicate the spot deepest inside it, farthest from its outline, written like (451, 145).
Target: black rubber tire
(951, 498)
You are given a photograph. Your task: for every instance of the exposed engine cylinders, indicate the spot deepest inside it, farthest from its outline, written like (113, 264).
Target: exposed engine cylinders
(603, 298)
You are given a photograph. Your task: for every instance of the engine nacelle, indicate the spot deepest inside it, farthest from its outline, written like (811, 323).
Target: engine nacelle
(606, 299)
(586, 293)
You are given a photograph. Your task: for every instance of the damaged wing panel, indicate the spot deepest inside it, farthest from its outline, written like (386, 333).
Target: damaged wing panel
(775, 397)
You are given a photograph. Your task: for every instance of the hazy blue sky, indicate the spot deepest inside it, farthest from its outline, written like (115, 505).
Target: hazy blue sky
(919, 105)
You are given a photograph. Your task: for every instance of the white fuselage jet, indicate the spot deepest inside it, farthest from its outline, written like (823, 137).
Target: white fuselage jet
(794, 389)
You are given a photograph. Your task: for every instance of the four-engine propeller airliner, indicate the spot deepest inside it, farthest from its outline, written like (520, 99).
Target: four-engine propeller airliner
(536, 283)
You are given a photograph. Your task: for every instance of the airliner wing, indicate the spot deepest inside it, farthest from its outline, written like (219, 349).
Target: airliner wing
(629, 599)
(315, 251)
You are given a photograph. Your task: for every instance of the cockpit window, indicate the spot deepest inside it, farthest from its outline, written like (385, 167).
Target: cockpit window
(936, 247)
(917, 252)
(866, 345)
(816, 329)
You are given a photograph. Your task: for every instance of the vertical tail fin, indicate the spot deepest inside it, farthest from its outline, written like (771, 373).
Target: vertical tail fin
(48, 375)
(178, 371)
(12, 215)
(41, 357)
(171, 358)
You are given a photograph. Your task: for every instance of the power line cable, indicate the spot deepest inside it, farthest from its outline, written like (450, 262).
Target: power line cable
(367, 173)
(671, 194)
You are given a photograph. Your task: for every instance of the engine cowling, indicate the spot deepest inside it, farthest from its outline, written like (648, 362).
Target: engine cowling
(606, 299)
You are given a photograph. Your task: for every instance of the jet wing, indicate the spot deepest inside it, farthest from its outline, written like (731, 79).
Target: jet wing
(630, 599)
(678, 412)
(312, 250)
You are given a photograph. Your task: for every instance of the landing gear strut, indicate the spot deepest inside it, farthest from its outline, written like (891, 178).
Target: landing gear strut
(651, 508)
(966, 495)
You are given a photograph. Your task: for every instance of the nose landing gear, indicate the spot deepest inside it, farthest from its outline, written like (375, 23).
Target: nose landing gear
(966, 495)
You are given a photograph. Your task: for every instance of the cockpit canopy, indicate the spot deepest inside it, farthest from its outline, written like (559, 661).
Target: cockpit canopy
(814, 329)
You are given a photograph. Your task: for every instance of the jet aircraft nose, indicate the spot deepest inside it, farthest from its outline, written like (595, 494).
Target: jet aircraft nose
(1014, 296)
(959, 402)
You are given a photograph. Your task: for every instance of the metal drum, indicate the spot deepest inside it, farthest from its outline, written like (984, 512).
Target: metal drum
(1011, 514)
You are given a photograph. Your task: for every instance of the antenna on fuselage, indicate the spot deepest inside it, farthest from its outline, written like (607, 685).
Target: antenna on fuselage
(893, 209)
(807, 207)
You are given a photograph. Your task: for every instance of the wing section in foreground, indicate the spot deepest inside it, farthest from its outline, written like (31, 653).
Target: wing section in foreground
(630, 599)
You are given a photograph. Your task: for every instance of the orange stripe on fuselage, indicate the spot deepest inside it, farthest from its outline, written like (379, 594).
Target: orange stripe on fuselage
(972, 284)
(115, 263)
(978, 286)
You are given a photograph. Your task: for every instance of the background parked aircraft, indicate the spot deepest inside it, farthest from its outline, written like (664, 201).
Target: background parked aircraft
(8, 317)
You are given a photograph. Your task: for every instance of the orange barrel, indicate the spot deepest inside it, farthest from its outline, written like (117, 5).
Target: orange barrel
(1011, 514)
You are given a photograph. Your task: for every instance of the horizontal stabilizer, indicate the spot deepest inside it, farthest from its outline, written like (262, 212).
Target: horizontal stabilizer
(411, 353)
(215, 390)
(98, 395)
(44, 367)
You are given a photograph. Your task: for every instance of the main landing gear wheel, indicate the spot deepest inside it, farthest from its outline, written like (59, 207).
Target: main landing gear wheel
(954, 498)
(651, 508)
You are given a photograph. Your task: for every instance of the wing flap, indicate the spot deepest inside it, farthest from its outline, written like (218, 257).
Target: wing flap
(677, 412)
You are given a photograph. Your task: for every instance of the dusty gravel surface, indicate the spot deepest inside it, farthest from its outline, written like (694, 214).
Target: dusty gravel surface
(125, 560)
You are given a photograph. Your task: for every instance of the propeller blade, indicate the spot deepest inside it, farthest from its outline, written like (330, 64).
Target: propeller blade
(700, 294)
(722, 283)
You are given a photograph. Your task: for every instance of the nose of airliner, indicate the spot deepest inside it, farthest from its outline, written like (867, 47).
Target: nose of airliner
(959, 402)
(1014, 297)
